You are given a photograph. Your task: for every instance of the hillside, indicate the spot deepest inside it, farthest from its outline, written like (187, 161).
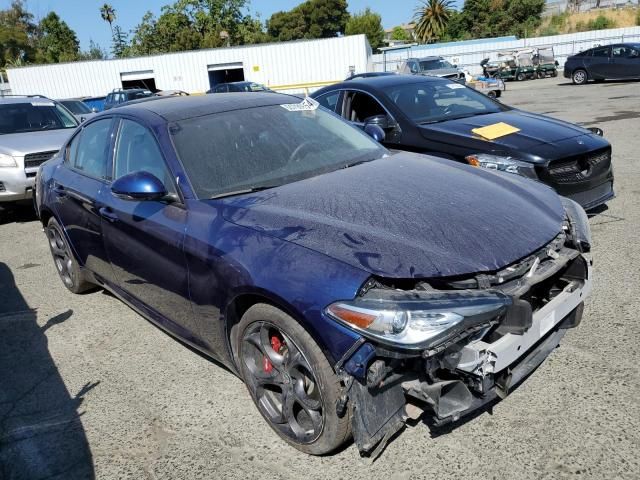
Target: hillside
(593, 20)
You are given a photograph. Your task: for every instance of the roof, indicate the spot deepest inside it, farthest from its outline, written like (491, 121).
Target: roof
(179, 108)
(23, 99)
(391, 81)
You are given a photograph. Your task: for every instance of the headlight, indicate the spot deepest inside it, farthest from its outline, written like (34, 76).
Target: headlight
(7, 161)
(503, 164)
(579, 221)
(416, 319)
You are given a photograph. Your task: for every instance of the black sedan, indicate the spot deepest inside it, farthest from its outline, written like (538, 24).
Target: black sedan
(611, 62)
(446, 119)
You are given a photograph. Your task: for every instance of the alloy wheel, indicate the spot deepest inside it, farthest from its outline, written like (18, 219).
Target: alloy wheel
(282, 382)
(61, 255)
(580, 77)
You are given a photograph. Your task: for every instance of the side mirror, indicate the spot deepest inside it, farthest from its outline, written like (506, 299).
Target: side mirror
(375, 132)
(139, 186)
(94, 110)
(382, 121)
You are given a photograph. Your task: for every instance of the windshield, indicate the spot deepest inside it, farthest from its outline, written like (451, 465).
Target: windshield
(76, 106)
(437, 101)
(254, 87)
(264, 147)
(434, 65)
(33, 116)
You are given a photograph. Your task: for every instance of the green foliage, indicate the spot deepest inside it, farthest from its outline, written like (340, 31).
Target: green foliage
(548, 31)
(369, 23)
(311, 19)
(559, 20)
(193, 24)
(120, 42)
(638, 17)
(494, 18)
(18, 35)
(56, 41)
(95, 52)
(399, 33)
(431, 19)
(600, 23)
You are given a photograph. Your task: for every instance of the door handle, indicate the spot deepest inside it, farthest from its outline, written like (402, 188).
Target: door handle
(108, 214)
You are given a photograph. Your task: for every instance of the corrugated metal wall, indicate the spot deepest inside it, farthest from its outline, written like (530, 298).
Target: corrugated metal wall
(289, 66)
(469, 56)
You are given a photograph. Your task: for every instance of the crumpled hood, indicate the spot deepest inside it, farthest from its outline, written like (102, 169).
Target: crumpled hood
(535, 130)
(20, 144)
(408, 216)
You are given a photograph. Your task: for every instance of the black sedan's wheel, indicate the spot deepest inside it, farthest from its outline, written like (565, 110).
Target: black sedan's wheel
(579, 77)
(63, 258)
(290, 380)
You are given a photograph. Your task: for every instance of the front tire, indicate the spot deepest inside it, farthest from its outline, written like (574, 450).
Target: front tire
(579, 77)
(66, 264)
(520, 77)
(290, 380)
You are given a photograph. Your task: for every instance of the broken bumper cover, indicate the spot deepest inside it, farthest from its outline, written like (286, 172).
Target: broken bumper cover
(386, 386)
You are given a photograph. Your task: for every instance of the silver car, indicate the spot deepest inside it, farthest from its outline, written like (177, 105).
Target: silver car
(434, 66)
(32, 130)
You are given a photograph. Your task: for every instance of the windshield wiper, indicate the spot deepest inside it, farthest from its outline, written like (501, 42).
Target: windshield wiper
(457, 117)
(360, 162)
(243, 191)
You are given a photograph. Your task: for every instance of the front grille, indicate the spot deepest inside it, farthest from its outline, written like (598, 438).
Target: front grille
(34, 160)
(580, 168)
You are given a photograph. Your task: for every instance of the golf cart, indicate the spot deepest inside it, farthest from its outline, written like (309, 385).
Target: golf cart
(516, 65)
(545, 63)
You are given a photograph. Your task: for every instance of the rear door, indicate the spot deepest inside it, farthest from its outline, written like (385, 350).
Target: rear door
(599, 63)
(625, 62)
(144, 239)
(78, 184)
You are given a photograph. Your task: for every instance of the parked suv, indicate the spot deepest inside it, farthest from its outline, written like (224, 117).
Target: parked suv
(119, 96)
(32, 130)
(433, 66)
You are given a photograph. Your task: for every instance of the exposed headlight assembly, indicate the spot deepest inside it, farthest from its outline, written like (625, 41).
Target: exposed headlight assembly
(503, 164)
(7, 161)
(418, 319)
(579, 222)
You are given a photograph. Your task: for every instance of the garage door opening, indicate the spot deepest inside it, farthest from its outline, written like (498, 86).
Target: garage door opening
(225, 73)
(141, 79)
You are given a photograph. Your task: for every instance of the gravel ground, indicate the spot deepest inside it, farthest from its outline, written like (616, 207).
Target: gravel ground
(89, 389)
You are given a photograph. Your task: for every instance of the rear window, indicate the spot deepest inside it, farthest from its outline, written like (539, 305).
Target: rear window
(34, 116)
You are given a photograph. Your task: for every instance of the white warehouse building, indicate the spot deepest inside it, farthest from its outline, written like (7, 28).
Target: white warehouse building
(293, 67)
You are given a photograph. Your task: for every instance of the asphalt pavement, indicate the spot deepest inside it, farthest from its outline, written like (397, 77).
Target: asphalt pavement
(89, 389)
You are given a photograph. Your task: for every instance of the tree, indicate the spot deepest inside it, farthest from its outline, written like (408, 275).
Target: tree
(400, 34)
(369, 23)
(56, 41)
(311, 19)
(431, 19)
(17, 35)
(120, 42)
(95, 52)
(108, 14)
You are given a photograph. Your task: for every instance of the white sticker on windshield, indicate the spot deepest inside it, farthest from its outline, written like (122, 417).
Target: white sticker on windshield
(42, 103)
(307, 105)
(454, 86)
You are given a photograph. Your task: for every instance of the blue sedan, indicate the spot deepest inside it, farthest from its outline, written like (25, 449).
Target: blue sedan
(350, 287)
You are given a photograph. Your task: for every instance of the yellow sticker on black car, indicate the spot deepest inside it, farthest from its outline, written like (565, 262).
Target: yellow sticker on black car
(497, 130)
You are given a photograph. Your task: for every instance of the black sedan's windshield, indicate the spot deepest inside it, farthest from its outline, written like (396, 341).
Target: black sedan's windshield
(244, 150)
(76, 106)
(437, 101)
(34, 116)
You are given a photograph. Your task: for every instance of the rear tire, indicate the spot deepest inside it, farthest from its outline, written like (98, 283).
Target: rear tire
(579, 77)
(70, 272)
(290, 380)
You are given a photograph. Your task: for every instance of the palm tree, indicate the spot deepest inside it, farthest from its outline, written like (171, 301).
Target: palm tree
(431, 19)
(108, 14)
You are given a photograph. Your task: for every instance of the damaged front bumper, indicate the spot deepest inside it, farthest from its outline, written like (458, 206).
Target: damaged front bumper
(386, 386)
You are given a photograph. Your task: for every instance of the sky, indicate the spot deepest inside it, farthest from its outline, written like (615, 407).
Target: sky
(83, 16)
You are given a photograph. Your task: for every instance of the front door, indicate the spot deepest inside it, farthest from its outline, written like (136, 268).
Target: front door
(599, 63)
(144, 239)
(625, 62)
(78, 184)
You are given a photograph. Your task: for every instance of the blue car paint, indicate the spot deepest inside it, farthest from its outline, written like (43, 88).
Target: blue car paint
(301, 246)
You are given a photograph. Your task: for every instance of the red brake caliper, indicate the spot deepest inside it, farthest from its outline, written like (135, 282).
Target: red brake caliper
(276, 344)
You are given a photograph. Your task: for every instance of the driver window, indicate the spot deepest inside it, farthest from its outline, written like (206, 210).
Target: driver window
(359, 106)
(137, 150)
